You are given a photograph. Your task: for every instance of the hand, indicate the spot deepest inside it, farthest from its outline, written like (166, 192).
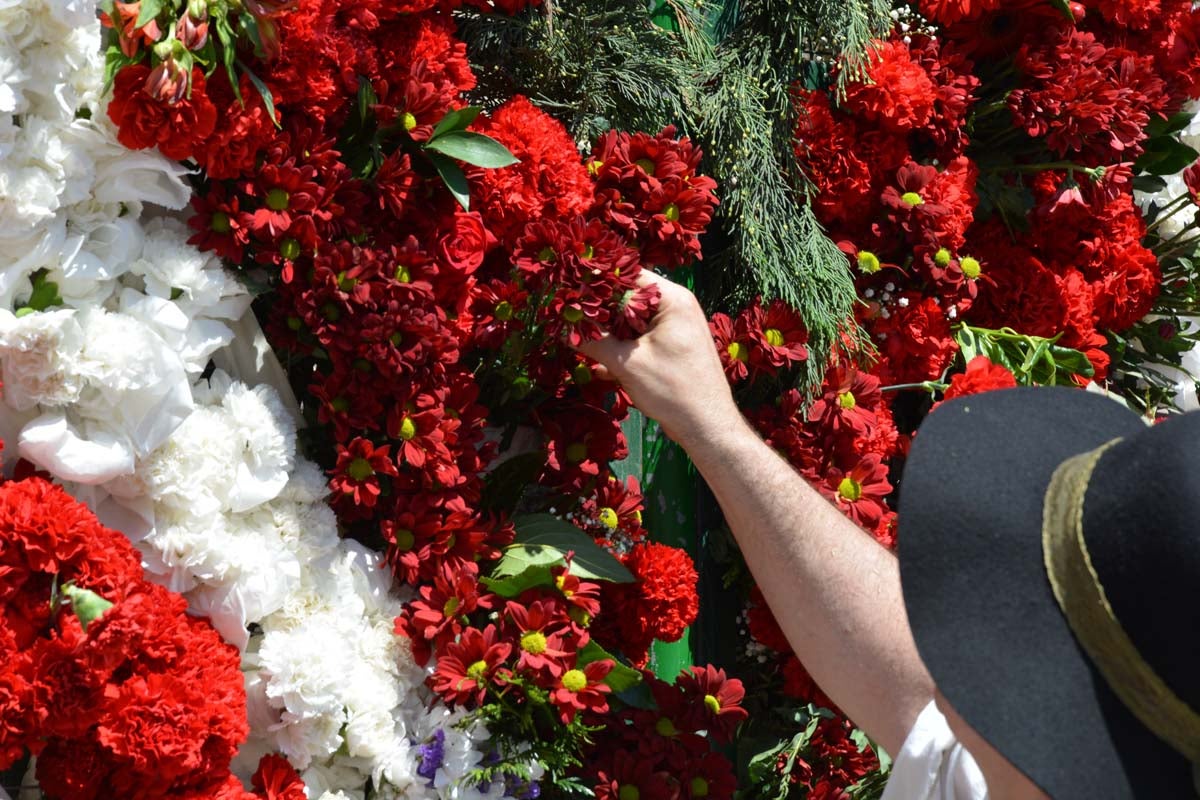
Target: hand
(672, 372)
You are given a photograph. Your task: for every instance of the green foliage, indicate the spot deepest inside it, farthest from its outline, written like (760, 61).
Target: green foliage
(721, 72)
(766, 779)
(1034, 360)
(530, 731)
(544, 540)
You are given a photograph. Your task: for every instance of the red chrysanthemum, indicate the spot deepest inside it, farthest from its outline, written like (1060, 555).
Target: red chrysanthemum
(714, 701)
(466, 668)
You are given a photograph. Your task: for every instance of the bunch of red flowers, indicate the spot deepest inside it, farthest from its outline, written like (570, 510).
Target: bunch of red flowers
(664, 753)
(107, 679)
(432, 269)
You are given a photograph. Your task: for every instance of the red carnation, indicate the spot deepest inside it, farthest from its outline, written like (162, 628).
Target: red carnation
(142, 121)
(276, 779)
(981, 375)
(897, 94)
(549, 182)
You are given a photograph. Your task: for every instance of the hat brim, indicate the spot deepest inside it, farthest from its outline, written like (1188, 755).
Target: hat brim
(981, 608)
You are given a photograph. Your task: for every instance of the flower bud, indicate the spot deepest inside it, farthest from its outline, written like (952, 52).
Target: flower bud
(192, 30)
(168, 82)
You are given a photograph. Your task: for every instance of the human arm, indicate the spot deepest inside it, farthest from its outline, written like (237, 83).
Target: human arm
(833, 589)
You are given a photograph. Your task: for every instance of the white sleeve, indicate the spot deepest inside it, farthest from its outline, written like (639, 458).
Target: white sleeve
(932, 765)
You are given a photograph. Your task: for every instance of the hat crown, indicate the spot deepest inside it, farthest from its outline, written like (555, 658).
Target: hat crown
(1141, 523)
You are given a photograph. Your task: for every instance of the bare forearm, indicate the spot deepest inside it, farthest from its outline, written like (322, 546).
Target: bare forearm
(834, 590)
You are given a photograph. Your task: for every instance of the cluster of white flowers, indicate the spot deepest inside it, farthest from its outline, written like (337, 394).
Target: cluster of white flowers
(109, 322)
(106, 318)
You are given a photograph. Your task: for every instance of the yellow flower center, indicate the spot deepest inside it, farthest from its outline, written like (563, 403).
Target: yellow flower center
(846, 400)
(942, 257)
(868, 262)
(576, 452)
(277, 199)
(774, 337)
(408, 429)
(504, 311)
(712, 704)
(547, 254)
(402, 274)
(971, 268)
(450, 607)
(588, 253)
(572, 314)
(671, 212)
(360, 469)
(628, 792)
(737, 351)
(594, 167)
(608, 518)
(664, 727)
(912, 198)
(849, 489)
(478, 672)
(582, 374)
(533, 642)
(699, 787)
(573, 680)
(220, 222)
(646, 164)
(408, 120)
(580, 616)
(404, 539)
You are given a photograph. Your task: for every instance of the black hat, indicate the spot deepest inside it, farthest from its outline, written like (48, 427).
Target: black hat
(982, 609)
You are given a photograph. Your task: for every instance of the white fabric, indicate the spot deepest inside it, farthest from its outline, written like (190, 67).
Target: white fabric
(932, 765)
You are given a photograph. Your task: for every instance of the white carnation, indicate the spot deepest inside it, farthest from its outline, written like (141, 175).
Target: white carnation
(39, 354)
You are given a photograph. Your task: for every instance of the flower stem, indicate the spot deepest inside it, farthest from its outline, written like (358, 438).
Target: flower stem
(928, 386)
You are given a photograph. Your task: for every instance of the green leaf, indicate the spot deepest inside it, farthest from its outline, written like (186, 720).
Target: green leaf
(507, 482)
(621, 678)
(1151, 184)
(149, 10)
(455, 121)
(543, 539)
(263, 91)
(1065, 7)
(228, 41)
(513, 585)
(1072, 361)
(472, 148)
(86, 604)
(115, 61)
(366, 98)
(454, 178)
(1165, 155)
(638, 696)
(1165, 126)
(45, 293)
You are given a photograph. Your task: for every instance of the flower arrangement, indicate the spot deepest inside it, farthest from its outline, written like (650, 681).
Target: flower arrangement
(411, 255)
(1009, 183)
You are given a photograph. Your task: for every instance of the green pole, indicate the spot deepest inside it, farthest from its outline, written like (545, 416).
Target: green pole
(669, 487)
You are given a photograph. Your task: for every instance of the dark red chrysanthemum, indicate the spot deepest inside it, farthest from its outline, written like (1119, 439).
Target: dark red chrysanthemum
(466, 668)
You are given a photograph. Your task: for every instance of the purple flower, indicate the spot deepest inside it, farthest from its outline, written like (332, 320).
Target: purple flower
(431, 755)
